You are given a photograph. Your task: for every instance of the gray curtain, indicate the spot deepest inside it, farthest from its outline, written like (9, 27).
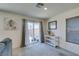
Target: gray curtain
(23, 33)
(42, 33)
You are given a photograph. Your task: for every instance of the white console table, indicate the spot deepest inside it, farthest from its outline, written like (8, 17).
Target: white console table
(52, 40)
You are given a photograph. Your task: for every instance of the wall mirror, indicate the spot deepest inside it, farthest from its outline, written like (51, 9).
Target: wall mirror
(52, 25)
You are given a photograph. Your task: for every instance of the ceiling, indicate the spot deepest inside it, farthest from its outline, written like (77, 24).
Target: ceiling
(30, 9)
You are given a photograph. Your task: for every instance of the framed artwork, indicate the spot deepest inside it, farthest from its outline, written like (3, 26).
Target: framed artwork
(9, 24)
(52, 25)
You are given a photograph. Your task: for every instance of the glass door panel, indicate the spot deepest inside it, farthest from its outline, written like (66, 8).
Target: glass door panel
(30, 30)
(33, 32)
(37, 32)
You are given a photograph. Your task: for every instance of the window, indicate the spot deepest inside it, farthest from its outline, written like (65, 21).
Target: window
(72, 30)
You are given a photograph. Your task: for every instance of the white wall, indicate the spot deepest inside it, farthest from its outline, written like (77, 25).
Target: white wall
(61, 29)
(15, 35)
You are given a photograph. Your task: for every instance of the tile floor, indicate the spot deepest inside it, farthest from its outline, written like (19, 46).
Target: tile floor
(41, 49)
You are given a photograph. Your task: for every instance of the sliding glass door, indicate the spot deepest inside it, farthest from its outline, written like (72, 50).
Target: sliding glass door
(33, 29)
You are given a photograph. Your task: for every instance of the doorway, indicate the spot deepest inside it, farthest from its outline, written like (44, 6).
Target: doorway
(32, 32)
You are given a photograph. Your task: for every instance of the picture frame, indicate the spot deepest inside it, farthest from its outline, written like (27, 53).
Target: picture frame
(52, 25)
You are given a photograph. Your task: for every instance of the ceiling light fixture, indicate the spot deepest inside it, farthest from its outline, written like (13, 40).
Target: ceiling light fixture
(39, 5)
(45, 8)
